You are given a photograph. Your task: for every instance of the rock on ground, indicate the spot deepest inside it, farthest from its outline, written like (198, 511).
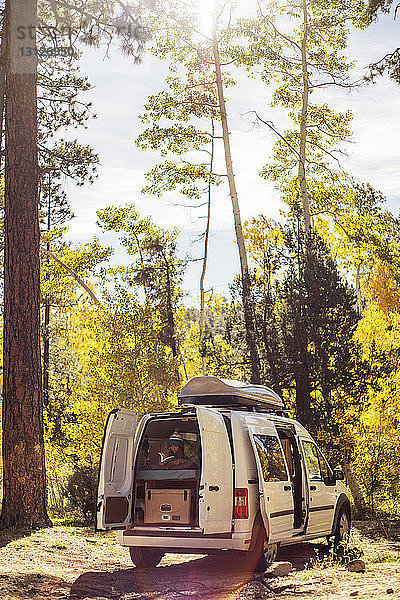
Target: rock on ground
(278, 569)
(356, 566)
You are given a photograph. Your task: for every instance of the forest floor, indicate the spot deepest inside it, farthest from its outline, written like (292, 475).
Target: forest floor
(68, 563)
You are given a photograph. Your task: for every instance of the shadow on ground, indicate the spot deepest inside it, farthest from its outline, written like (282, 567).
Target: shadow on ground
(219, 576)
(32, 585)
(10, 535)
(389, 530)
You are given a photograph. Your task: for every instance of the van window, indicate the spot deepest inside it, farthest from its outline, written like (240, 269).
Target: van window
(271, 458)
(316, 464)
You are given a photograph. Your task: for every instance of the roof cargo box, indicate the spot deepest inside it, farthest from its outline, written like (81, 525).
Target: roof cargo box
(213, 391)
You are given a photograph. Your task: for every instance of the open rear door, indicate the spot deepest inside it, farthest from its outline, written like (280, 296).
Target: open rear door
(275, 487)
(114, 495)
(216, 484)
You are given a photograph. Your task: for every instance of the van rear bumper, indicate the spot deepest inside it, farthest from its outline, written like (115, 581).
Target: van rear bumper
(194, 541)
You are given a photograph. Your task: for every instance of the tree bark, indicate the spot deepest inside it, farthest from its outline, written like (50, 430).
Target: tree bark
(360, 503)
(2, 82)
(246, 285)
(24, 494)
(303, 125)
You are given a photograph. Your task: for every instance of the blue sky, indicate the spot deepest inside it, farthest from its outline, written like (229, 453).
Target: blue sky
(119, 93)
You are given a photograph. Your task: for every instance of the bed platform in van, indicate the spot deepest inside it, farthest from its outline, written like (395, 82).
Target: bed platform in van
(162, 475)
(213, 391)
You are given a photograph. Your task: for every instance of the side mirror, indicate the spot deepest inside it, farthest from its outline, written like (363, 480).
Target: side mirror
(330, 479)
(338, 474)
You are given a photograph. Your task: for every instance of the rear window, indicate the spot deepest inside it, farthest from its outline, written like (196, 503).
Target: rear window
(271, 458)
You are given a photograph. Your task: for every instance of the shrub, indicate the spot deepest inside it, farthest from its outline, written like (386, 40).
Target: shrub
(81, 492)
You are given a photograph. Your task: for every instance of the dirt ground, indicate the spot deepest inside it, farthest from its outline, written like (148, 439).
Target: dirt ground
(74, 563)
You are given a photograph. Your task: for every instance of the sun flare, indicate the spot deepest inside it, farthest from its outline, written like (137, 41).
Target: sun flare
(206, 16)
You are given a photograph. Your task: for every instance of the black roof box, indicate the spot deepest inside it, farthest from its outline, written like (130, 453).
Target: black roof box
(213, 391)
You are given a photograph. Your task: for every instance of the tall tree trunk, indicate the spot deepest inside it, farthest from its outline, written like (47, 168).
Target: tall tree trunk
(303, 125)
(303, 397)
(246, 286)
(172, 341)
(360, 503)
(24, 499)
(170, 310)
(205, 257)
(269, 352)
(2, 83)
(359, 298)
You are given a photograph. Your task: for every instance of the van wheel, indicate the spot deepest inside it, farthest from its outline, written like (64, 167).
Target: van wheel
(341, 533)
(145, 557)
(263, 554)
(268, 555)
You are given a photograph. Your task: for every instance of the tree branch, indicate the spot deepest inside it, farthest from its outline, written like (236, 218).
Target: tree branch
(74, 275)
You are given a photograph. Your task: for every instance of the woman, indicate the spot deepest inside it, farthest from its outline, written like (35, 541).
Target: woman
(184, 457)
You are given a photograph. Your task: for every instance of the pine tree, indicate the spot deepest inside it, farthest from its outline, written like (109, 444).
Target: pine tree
(24, 499)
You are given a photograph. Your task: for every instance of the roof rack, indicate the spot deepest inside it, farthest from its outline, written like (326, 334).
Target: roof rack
(243, 407)
(214, 391)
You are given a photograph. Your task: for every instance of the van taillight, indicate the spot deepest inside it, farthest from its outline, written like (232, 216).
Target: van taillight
(241, 504)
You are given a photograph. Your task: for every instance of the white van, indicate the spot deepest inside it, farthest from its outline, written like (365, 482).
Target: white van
(259, 481)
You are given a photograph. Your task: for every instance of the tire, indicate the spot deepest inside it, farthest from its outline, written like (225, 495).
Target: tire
(268, 555)
(263, 553)
(145, 558)
(341, 533)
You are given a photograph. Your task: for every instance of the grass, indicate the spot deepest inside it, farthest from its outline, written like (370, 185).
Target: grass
(47, 563)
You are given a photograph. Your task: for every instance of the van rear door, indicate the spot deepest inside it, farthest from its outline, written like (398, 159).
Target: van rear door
(114, 495)
(275, 487)
(216, 484)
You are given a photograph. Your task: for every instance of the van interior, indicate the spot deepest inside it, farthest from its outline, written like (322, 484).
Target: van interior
(165, 494)
(293, 461)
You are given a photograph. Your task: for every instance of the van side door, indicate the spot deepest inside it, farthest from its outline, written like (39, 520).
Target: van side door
(275, 488)
(321, 489)
(216, 483)
(114, 494)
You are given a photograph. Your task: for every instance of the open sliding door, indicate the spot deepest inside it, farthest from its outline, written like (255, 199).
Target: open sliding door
(216, 484)
(114, 496)
(275, 487)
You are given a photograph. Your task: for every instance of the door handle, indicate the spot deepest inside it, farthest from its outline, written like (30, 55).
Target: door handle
(313, 488)
(287, 488)
(213, 488)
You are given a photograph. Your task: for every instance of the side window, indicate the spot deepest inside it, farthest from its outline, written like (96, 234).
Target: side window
(317, 466)
(271, 458)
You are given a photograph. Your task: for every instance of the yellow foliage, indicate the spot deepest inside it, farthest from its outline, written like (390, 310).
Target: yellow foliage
(121, 363)
(190, 352)
(382, 289)
(262, 235)
(215, 303)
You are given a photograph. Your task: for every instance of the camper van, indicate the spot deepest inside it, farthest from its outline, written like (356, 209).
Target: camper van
(254, 480)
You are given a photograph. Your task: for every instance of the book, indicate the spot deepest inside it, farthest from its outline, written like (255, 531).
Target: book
(164, 459)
